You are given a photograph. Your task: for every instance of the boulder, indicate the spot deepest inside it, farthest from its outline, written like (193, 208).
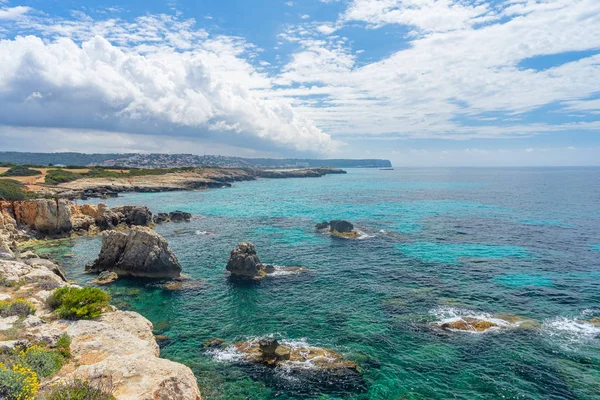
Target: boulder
(134, 215)
(340, 226)
(137, 252)
(161, 217)
(178, 216)
(53, 267)
(213, 343)
(105, 277)
(322, 225)
(243, 262)
(106, 218)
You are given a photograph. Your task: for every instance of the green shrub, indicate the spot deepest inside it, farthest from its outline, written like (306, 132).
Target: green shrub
(11, 190)
(79, 389)
(18, 383)
(44, 362)
(20, 307)
(78, 303)
(56, 176)
(21, 170)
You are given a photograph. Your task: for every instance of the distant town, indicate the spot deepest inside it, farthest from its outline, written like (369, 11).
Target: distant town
(159, 160)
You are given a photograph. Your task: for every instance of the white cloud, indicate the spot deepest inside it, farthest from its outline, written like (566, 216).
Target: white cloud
(450, 73)
(164, 78)
(13, 13)
(426, 15)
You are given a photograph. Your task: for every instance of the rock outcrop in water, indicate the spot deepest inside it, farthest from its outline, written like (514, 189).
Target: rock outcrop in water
(174, 216)
(136, 252)
(271, 352)
(243, 262)
(469, 324)
(339, 228)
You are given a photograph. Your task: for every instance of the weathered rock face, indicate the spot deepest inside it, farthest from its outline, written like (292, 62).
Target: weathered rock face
(340, 226)
(5, 251)
(178, 216)
(44, 215)
(243, 262)
(137, 252)
(134, 215)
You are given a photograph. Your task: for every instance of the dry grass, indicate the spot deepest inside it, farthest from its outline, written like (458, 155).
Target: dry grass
(33, 182)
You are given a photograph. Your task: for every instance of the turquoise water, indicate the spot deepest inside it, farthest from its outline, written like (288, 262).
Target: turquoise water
(436, 244)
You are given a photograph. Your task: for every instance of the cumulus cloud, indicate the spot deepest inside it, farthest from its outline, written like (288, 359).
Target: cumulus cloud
(156, 75)
(13, 13)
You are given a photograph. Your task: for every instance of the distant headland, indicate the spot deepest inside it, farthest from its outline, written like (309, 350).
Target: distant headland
(157, 160)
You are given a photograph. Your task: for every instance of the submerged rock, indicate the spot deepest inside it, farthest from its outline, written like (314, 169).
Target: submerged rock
(244, 262)
(105, 277)
(469, 324)
(213, 343)
(137, 252)
(271, 352)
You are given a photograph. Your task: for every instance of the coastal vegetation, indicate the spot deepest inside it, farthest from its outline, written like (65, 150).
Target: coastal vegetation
(11, 190)
(18, 307)
(78, 303)
(81, 389)
(21, 170)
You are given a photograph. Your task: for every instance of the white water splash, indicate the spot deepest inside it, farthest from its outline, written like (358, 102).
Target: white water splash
(453, 314)
(572, 332)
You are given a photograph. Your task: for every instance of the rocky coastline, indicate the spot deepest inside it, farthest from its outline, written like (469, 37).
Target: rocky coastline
(118, 344)
(204, 178)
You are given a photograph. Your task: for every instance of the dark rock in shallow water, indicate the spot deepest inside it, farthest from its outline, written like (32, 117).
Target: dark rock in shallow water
(322, 225)
(134, 215)
(160, 218)
(177, 216)
(213, 343)
(340, 226)
(137, 252)
(243, 262)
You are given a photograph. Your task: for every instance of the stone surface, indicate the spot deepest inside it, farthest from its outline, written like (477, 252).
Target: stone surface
(106, 277)
(272, 353)
(243, 262)
(137, 252)
(47, 216)
(469, 324)
(134, 215)
(340, 226)
(178, 216)
(322, 225)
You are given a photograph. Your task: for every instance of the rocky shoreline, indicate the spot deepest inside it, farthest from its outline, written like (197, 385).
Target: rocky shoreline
(204, 178)
(119, 345)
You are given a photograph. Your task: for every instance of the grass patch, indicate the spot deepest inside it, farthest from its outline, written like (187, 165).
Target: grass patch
(78, 303)
(21, 170)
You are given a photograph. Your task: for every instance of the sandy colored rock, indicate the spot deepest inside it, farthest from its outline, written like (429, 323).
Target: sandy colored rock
(46, 216)
(105, 277)
(469, 324)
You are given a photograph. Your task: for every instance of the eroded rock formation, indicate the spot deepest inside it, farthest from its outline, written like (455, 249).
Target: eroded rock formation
(136, 252)
(243, 262)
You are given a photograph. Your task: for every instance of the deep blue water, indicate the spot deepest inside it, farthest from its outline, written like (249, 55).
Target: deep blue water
(519, 244)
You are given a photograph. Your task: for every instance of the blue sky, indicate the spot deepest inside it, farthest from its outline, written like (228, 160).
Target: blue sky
(420, 82)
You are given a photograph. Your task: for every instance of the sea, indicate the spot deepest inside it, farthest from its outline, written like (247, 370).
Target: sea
(517, 246)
